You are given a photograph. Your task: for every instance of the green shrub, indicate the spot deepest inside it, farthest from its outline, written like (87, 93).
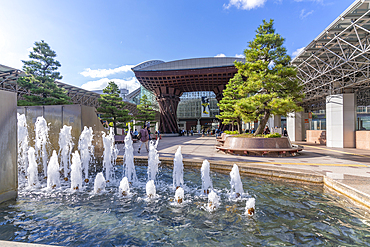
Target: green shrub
(275, 135)
(231, 132)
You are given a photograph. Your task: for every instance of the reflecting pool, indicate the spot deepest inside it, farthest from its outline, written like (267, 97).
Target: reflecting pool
(285, 214)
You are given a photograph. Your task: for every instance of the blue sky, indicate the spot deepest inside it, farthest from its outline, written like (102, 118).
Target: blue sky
(99, 41)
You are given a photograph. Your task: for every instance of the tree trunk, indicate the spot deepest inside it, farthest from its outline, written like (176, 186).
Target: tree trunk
(239, 125)
(262, 124)
(115, 128)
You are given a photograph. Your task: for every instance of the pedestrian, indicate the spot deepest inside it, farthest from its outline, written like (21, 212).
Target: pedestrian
(192, 132)
(285, 132)
(135, 134)
(217, 132)
(266, 131)
(150, 137)
(144, 138)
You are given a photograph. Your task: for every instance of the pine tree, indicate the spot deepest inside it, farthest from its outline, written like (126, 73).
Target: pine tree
(145, 112)
(227, 104)
(40, 80)
(112, 107)
(270, 85)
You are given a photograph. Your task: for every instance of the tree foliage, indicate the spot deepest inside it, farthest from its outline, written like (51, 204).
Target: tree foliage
(41, 73)
(145, 112)
(269, 82)
(112, 107)
(227, 104)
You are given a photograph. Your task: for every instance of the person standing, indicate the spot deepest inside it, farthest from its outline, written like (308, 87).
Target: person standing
(144, 138)
(285, 132)
(135, 134)
(150, 137)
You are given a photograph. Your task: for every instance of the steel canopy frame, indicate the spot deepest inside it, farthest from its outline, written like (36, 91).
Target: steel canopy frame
(338, 60)
(8, 82)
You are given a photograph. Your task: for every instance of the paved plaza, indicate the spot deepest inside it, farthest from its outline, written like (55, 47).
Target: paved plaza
(349, 166)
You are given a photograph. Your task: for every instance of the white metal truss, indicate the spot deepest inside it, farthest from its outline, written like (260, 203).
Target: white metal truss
(8, 82)
(338, 60)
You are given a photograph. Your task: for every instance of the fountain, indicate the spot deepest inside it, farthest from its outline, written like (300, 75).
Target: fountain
(108, 155)
(124, 187)
(129, 166)
(110, 216)
(178, 169)
(32, 169)
(150, 189)
(65, 148)
(250, 206)
(99, 183)
(179, 195)
(53, 178)
(22, 143)
(76, 172)
(41, 141)
(86, 150)
(206, 179)
(235, 182)
(213, 201)
(153, 160)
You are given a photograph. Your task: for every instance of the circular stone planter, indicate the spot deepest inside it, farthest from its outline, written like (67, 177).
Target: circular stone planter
(222, 139)
(259, 146)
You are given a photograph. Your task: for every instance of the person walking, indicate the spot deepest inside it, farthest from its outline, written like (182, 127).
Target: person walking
(144, 138)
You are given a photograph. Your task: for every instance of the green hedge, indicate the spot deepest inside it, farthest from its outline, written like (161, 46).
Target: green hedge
(275, 135)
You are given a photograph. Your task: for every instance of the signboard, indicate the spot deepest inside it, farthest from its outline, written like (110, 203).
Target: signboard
(310, 115)
(306, 120)
(205, 107)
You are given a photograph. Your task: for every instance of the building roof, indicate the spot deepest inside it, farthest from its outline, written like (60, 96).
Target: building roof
(187, 75)
(184, 64)
(337, 60)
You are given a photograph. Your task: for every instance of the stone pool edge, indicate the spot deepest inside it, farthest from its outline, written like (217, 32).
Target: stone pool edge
(277, 173)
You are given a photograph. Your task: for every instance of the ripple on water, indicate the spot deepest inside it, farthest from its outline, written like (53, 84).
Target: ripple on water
(286, 214)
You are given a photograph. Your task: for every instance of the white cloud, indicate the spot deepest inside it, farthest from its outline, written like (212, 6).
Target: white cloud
(98, 73)
(239, 55)
(304, 14)
(129, 83)
(295, 53)
(14, 59)
(245, 4)
(220, 55)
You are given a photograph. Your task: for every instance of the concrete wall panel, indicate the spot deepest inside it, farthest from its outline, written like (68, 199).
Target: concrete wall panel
(56, 116)
(341, 120)
(296, 126)
(8, 146)
(363, 139)
(52, 114)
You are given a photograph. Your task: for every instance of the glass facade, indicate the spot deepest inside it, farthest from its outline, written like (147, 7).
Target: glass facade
(363, 119)
(190, 105)
(151, 97)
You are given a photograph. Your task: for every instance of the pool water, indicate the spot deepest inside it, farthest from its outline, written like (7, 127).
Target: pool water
(286, 214)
